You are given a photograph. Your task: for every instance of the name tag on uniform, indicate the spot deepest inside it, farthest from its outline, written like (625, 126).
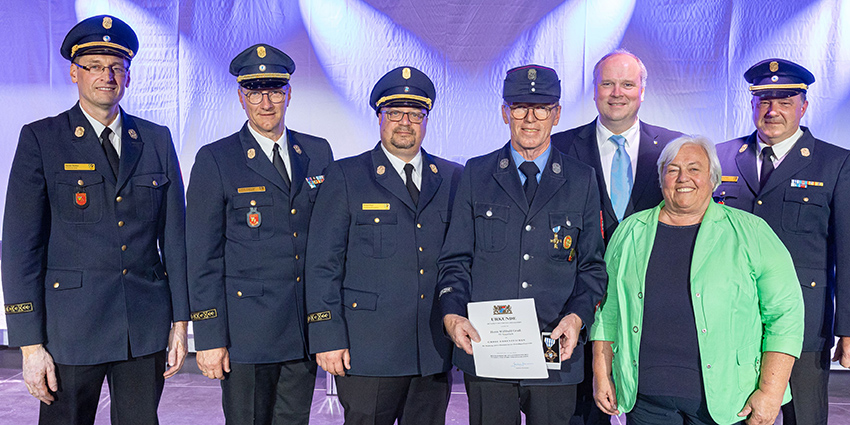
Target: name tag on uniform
(79, 167)
(376, 207)
(251, 189)
(731, 179)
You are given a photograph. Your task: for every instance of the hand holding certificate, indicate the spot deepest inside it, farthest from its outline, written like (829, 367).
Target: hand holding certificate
(510, 346)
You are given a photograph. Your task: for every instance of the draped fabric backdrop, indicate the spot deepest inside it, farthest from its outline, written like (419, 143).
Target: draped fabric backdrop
(696, 52)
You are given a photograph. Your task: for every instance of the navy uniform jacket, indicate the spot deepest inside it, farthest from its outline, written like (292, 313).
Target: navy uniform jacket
(372, 266)
(500, 248)
(807, 203)
(581, 143)
(85, 255)
(246, 279)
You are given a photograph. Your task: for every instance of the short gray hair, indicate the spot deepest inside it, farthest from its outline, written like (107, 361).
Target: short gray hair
(643, 73)
(672, 149)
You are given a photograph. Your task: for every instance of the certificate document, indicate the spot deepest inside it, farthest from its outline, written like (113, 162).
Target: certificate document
(510, 340)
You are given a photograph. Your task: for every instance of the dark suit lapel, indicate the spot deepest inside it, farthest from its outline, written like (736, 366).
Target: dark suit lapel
(386, 176)
(587, 151)
(746, 162)
(84, 139)
(258, 161)
(799, 157)
(551, 180)
(431, 180)
(299, 161)
(131, 149)
(645, 175)
(507, 177)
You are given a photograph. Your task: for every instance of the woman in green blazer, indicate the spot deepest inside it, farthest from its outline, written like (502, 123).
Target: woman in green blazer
(727, 329)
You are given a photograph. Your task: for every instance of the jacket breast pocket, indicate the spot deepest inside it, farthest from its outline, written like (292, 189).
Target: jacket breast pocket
(491, 224)
(727, 192)
(566, 229)
(805, 211)
(79, 197)
(149, 190)
(376, 233)
(250, 216)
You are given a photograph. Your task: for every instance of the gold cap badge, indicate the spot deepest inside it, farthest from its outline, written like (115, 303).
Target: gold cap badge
(261, 51)
(774, 66)
(251, 153)
(132, 134)
(805, 152)
(405, 73)
(381, 170)
(79, 131)
(297, 149)
(532, 74)
(107, 22)
(743, 148)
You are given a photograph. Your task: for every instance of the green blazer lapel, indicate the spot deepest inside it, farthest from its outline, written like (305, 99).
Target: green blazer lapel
(707, 238)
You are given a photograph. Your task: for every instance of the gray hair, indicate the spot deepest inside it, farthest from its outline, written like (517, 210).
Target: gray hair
(672, 149)
(643, 73)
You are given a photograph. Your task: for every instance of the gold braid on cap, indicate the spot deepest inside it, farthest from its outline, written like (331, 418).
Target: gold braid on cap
(101, 44)
(422, 99)
(779, 87)
(242, 78)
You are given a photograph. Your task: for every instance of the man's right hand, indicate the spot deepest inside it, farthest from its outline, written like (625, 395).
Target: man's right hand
(214, 363)
(461, 331)
(335, 362)
(39, 372)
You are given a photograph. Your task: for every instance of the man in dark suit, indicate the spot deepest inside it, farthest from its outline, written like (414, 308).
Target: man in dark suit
(801, 187)
(372, 265)
(249, 203)
(625, 172)
(94, 260)
(525, 224)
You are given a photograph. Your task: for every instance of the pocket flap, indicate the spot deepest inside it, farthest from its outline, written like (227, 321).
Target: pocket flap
(805, 196)
(567, 220)
(491, 211)
(359, 300)
(58, 280)
(728, 190)
(150, 180)
(74, 179)
(376, 217)
(248, 200)
(242, 288)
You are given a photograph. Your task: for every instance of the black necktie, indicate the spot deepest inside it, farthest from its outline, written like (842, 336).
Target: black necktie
(529, 168)
(278, 163)
(411, 186)
(766, 165)
(109, 150)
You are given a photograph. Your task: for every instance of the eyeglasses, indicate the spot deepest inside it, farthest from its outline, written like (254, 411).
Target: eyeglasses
(118, 70)
(256, 97)
(413, 117)
(540, 112)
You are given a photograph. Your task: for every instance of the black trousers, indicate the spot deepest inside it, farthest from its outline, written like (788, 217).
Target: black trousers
(380, 400)
(269, 394)
(587, 413)
(498, 402)
(135, 387)
(665, 410)
(809, 403)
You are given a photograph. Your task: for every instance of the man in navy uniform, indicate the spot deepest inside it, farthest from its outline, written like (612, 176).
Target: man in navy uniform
(623, 151)
(94, 259)
(248, 207)
(525, 224)
(372, 265)
(801, 186)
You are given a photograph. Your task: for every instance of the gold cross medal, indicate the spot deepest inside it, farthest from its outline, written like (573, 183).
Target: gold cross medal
(254, 218)
(555, 241)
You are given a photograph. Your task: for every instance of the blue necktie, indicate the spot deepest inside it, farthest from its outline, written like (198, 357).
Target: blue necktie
(621, 177)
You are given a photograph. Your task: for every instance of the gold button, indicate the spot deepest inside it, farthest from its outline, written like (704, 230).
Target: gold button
(353, 305)
(238, 293)
(723, 193)
(293, 211)
(120, 224)
(80, 182)
(296, 256)
(759, 202)
(123, 247)
(806, 199)
(418, 225)
(420, 249)
(421, 271)
(813, 284)
(422, 296)
(119, 199)
(377, 220)
(154, 183)
(298, 279)
(294, 234)
(253, 203)
(124, 272)
(56, 285)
